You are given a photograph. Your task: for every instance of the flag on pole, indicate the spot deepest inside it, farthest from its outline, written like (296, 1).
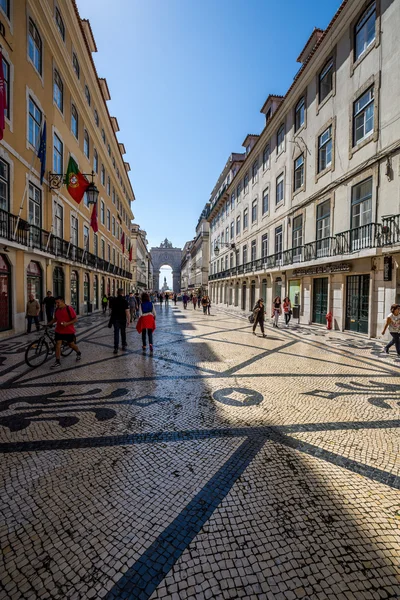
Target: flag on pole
(42, 152)
(93, 219)
(130, 252)
(123, 242)
(3, 97)
(77, 183)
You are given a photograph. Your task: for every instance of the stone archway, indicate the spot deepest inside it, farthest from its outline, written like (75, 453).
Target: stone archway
(166, 254)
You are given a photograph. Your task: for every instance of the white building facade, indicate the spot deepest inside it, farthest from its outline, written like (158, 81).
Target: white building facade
(314, 210)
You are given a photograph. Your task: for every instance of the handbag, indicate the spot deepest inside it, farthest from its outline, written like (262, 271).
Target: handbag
(251, 318)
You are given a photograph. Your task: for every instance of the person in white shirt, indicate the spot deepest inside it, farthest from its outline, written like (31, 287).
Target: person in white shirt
(393, 322)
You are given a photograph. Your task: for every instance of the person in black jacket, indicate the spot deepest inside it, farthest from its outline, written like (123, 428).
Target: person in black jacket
(120, 318)
(259, 313)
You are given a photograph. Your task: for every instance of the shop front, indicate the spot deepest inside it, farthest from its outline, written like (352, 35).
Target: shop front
(320, 300)
(357, 303)
(5, 293)
(86, 294)
(34, 280)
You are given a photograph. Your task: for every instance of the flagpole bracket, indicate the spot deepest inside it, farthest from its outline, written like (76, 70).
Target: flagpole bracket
(56, 180)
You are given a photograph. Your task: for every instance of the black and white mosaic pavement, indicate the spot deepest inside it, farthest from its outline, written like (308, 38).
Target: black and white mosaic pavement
(224, 466)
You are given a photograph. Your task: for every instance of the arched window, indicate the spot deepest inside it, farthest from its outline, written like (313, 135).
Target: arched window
(87, 94)
(75, 64)
(96, 292)
(74, 121)
(86, 147)
(60, 24)
(35, 47)
(96, 117)
(58, 90)
(58, 282)
(103, 175)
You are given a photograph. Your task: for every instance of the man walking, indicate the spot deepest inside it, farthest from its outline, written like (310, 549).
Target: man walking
(185, 299)
(120, 316)
(65, 318)
(132, 306)
(48, 305)
(32, 312)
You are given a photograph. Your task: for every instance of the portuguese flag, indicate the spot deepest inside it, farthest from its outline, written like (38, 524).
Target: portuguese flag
(77, 183)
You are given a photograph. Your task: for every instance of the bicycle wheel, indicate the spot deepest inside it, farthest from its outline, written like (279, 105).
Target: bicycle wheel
(65, 349)
(36, 353)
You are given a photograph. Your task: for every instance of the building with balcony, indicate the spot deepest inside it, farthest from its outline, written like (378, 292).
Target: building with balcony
(141, 266)
(187, 283)
(196, 257)
(314, 210)
(46, 242)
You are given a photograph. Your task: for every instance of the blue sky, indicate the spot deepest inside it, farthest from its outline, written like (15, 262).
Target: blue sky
(187, 81)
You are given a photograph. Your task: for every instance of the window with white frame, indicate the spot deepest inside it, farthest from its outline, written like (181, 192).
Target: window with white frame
(279, 189)
(231, 265)
(280, 139)
(361, 214)
(96, 117)
(6, 74)
(74, 230)
(75, 65)
(254, 172)
(58, 91)
(5, 6)
(323, 227)
(58, 154)
(35, 47)
(232, 230)
(264, 245)
(35, 121)
(299, 111)
(246, 183)
(103, 249)
(253, 250)
(238, 225)
(95, 161)
(245, 218)
(363, 118)
(325, 149)
(108, 186)
(86, 237)
(265, 201)
(95, 244)
(299, 172)
(4, 185)
(297, 235)
(58, 220)
(278, 240)
(232, 200)
(227, 234)
(364, 31)
(102, 212)
(60, 23)
(108, 220)
(113, 226)
(103, 175)
(86, 144)
(244, 254)
(74, 121)
(238, 191)
(254, 211)
(266, 154)
(35, 206)
(325, 84)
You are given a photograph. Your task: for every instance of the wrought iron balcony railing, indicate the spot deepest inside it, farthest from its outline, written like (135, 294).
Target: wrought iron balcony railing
(32, 236)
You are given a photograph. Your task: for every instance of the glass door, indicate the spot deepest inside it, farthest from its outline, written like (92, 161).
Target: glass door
(75, 291)
(357, 303)
(320, 300)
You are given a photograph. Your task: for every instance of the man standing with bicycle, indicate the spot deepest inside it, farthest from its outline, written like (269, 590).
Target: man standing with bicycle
(64, 317)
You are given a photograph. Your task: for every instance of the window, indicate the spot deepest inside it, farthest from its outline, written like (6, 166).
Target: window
(75, 65)
(297, 235)
(253, 250)
(108, 186)
(299, 172)
(113, 195)
(323, 227)
(58, 151)
(325, 149)
(86, 146)
(232, 200)
(238, 191)
(363, 123)
(245, 218)
(264, 245)
(35, 121)
(227, 234)
(6, 73)
(254, 211)
(279, 189)
(238, 225)
(60, 24)
(58, 220)
(231, 260)
(103, 136)
(254, 172)
(74, 121)
(325, 85)
(4, 185)
(103, 175)
(265, 201)
(95, 245)
(280, 139)
(108, 220)
(232, 230)
(278, 241)
(58, 91)
(103, 249)
(96, 117)
(5, 6)
(227, 208)
(361, 214)
(108, 253)
(364, 33)
(102, 212)
(244, 251)
(299, 114)
(87, 95)
(74, 231)
(109, 150)
(35, 47)
(95, 161)
(86, 237)
(222, 238)
(35, 206)
(266, 157)
(113, 226)
(246, 183)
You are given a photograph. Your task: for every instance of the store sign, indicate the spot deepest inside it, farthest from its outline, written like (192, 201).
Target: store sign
(387, 268)
(323, 269)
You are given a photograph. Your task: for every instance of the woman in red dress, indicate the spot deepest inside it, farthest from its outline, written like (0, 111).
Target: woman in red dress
(147, 321)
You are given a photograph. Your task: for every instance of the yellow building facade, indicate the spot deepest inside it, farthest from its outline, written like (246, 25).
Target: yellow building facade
(46, 241)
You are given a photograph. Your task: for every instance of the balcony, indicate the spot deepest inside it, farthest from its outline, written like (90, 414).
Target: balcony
(373, 235)
(36, 238)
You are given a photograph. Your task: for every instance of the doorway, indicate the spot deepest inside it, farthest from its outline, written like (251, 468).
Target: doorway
(357, 303)
(320, 300)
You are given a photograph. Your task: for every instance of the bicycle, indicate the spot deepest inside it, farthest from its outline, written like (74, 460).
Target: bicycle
(38, 351)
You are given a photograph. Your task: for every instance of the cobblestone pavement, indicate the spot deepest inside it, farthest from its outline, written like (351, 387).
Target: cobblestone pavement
(226, 466)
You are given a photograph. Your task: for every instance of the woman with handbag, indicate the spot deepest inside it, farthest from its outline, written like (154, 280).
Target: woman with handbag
(259, 315)
(276, 310)
(287, 310)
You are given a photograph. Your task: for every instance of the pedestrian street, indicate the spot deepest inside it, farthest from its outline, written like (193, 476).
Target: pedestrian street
(225, 466)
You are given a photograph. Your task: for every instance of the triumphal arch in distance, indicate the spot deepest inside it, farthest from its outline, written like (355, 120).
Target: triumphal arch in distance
(166, 254)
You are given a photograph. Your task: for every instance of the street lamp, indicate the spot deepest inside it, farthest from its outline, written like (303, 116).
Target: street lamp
(225, 244)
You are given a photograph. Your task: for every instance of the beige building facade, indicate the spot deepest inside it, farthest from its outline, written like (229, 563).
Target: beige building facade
(196, 257)
(46, 242)
(314, 210)
(141, 266)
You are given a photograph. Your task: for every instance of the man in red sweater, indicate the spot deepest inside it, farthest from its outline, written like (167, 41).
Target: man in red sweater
(64, 317)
